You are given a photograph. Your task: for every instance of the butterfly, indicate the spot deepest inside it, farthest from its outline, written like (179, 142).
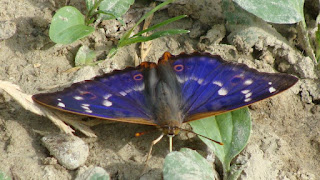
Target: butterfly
(178, 89)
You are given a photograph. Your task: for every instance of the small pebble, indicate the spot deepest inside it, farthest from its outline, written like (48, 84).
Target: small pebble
(84, 73)
(70, 151)
(7, 29)
(91, 172)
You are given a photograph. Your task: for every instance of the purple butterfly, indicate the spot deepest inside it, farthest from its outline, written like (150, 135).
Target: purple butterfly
(178, 89)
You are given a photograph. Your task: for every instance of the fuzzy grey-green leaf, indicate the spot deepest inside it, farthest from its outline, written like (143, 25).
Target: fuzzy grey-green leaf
(89, 4)
(68, 25)
(115, 7)
(187, 164)
(275, 11)
(84, 56)
(3, 176)
(232, 129)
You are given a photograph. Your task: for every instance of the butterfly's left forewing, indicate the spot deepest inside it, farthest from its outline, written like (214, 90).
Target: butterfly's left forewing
(212, 86)
(117, 96)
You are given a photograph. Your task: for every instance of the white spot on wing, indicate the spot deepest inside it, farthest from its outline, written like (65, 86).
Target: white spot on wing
(222, 92)
(248, 95)
(78, 97)
(246, 91)
(128, 91)
(135, 88)
(59, 99)
(218, 83)
(180, 80)
(194, 78)
(107, 96)
(107, 103)
(269, 83)
(85, 106)
(240, 75)
(248, 82)
(60, 104)
(88, 111)
(123, 93)
(200, 81)
(247, 99)
(272, 89)
(139, 88)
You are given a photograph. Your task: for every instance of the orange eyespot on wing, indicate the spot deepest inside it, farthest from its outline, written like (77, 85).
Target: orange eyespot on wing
(178, 67)
(138, 77)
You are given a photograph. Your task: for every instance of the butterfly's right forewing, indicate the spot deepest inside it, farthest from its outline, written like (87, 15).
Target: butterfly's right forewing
(117, 96)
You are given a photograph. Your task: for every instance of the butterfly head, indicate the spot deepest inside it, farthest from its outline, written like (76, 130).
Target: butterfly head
(169, 120)
(170, 130)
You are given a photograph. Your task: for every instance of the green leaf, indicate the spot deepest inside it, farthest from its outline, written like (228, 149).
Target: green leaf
(115, 7)
(126, 39)
(187, 164)
(3, 176)
(232, 129)
(152, 36)
(235, 172)
(275, 11)
(89, 4)
(84, 56)
(318, 43)
(68, 25)
(112, 52)
(98, 176)
(128, 33)
(112, 16)
(163, 23)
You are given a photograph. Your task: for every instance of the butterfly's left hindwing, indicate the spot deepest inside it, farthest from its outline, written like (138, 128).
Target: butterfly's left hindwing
(117, 96)
(212, 86)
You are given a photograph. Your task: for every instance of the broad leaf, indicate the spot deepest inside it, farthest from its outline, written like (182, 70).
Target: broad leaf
(275, 11)
(68, 25)
(186, 164)
(115, 7)
(84, 56)
(3, 176)
(232, 129)
(89, 4)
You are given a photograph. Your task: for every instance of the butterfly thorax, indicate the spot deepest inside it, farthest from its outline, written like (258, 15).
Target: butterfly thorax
(167, 110)
(164, 96)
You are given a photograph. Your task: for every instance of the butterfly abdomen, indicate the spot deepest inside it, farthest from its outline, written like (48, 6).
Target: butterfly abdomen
(164, 96)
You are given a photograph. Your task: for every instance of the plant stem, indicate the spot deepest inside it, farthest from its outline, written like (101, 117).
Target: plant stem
(91, 13)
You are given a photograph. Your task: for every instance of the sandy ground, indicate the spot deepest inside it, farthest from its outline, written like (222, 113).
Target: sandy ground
(285, 140)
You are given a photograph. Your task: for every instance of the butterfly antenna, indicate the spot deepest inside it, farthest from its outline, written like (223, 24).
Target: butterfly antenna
(138, 134)
(150, 150)
(218, 142)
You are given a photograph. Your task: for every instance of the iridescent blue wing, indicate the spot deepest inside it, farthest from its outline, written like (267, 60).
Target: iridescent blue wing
(212, 86)
(116, 96)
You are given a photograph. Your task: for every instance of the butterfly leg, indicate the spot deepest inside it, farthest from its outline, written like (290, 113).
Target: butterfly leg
(150, 150)
(170, 142)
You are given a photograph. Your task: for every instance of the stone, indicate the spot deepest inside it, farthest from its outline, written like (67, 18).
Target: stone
(70, 151)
